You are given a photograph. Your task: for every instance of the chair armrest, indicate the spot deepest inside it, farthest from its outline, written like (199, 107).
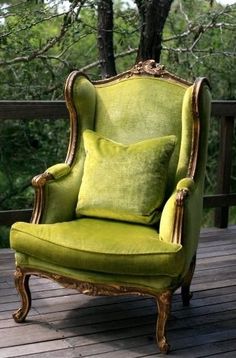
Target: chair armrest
(186, 184)
(56, 192)
(59, 170)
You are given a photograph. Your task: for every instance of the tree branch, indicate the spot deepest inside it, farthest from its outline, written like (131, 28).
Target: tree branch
(69, 18)
(118, 55)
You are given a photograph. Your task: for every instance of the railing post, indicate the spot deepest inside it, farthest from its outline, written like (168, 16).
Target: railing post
(224, 169)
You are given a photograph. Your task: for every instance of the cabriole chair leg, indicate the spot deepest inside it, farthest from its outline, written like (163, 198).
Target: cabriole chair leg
(22, 285)
(164, 308)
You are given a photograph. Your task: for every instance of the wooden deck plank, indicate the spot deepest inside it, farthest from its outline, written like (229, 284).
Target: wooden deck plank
(63, 323)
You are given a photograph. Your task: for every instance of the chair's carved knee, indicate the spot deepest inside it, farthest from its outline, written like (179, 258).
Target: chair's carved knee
(164, 307)
(22, 285)
(185, 289)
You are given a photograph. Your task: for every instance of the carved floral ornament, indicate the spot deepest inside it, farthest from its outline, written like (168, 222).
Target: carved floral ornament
(149, 67)
(88, 288)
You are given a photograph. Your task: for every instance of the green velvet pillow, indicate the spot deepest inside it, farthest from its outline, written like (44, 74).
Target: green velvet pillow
(124, 182)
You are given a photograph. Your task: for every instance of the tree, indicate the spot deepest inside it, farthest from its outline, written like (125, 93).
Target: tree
(153, 15)
(155, 27)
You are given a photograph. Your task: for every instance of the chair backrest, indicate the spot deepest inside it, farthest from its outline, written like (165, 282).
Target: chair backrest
(144, 102)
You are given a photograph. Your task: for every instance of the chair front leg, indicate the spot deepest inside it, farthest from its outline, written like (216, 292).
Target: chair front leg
(22, 286)
(164, 307)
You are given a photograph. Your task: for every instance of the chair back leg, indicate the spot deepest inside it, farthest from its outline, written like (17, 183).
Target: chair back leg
(185, 288)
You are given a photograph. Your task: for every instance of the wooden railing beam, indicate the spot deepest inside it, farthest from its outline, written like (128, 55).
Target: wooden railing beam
(9, 217)
(217, 200)
(223, 110)
(26, 110)
(57, 109)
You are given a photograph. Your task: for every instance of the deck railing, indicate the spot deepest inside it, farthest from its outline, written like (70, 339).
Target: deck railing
(224, 111)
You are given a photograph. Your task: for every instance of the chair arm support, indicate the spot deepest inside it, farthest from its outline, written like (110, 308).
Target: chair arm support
(173, 211)
(49, 186)
(181, 216)
(183, 188)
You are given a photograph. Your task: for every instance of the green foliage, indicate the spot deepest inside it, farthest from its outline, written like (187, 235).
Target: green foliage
(27, 32)
(4, 237)
(34, 147)
(212, 163)
(126, 29)
(200, 39)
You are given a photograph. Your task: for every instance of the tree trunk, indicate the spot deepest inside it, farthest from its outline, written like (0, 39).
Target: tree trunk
(105, 38)
(153, 15)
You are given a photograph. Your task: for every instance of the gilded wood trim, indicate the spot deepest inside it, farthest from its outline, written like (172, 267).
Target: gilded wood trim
(196, 126)
(22, 286)
(68, 93)
(38, 183)
(164, 308)
(179, 215)
(88, 288)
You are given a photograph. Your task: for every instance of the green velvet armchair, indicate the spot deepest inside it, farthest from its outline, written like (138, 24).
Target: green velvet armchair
(122, 215)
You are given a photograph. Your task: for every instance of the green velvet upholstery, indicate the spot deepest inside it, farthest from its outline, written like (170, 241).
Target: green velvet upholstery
(146, 112)
(100, 245)
(143, 282)
(108, 188)
(142, 237)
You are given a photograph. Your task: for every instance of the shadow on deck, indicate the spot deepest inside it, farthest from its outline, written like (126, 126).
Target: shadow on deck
(63, 323)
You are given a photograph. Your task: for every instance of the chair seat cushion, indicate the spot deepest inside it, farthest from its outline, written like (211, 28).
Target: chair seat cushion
(99, 245)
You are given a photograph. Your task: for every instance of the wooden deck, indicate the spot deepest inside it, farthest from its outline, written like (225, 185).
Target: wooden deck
(63, 323)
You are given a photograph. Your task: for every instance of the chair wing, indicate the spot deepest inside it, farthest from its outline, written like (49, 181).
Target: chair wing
(136, 156)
